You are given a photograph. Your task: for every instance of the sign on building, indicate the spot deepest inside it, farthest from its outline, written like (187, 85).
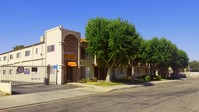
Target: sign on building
(20, 69)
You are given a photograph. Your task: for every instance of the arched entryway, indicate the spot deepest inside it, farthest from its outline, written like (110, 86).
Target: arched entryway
(71, 58)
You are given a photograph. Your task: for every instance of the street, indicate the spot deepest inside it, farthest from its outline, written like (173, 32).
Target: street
(179, 96)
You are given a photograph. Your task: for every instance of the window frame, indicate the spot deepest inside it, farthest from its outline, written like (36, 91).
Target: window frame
(36, 50)
(18, 55)
(27, 53)
(51, 48)
(4, 58)
(11, 56)
(10, 71)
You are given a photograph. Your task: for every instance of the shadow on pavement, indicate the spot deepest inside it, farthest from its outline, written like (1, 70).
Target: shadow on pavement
(36, 88)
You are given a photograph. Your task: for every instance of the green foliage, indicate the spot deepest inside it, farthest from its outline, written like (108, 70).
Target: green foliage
(141, 78)
(17, 47)
(116, 41)
(147, 78)
(180, 60)
(112, 41)
(94, 79)
(194, 65)
(160, 52)
(88, 80)
(124, 80)
(158, 77)
(83, 81)
(104, 84)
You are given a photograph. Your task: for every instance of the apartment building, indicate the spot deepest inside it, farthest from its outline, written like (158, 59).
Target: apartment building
(58, 47)
(61, 51)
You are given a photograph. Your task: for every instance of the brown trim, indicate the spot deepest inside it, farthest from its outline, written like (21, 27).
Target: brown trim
(70, 30)
(22, 48)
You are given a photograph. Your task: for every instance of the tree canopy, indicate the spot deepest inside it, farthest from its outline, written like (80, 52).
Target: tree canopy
(17, 47)
(194, 66)
(112, 41)
(162, 53)
(116, 41)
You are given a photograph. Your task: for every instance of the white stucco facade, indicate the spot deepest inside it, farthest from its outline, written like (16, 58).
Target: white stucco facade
(49, 51)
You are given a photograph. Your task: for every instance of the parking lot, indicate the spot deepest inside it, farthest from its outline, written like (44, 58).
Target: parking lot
(35, 88)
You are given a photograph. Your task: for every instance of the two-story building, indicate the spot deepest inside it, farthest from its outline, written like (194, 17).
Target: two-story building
(57, 47)
(64, 51)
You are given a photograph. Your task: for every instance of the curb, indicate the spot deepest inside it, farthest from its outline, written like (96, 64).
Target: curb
(111, 88)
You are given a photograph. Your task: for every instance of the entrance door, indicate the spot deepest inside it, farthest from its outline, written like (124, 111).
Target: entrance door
(69, 74)
(96, 73)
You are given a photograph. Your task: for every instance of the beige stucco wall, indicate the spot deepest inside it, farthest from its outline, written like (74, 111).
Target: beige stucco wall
(34, 59)
(6, 87)
(33, 56)
(54, 36)
(89, 64)
(120, 72)
(139, 71)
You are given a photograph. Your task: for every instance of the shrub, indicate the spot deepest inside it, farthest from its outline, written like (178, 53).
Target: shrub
(83, 81)
(123, 80)
(158, 77)
(94, 79)
(147, 78)
(88, 80)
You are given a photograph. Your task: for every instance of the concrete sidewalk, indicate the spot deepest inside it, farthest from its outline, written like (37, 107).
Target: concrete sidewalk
(36, 98)
(43, 97)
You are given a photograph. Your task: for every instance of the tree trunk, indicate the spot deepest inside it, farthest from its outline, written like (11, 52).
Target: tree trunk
(109, 75)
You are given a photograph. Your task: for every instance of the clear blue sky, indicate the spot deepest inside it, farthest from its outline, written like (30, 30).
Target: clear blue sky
(24, 21)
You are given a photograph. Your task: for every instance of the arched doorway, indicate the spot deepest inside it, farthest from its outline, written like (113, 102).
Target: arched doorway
(71, 58)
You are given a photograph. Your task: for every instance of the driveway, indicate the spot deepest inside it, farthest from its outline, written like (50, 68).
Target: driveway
(35, 88)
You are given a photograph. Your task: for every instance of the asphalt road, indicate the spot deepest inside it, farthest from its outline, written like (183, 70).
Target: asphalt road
(181, 96)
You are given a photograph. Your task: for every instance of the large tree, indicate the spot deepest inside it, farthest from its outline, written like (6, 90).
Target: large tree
(180, 60)
(159, 53)
(113, 42)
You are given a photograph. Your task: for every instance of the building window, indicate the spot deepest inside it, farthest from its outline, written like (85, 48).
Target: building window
(51, 48)
(11, 56)
(34, 69)
(4, 58)
(18, 55)
(36, 51)
(27, 53)
(84, 54)
(121, 71)
(4, 72)
(10, 71)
